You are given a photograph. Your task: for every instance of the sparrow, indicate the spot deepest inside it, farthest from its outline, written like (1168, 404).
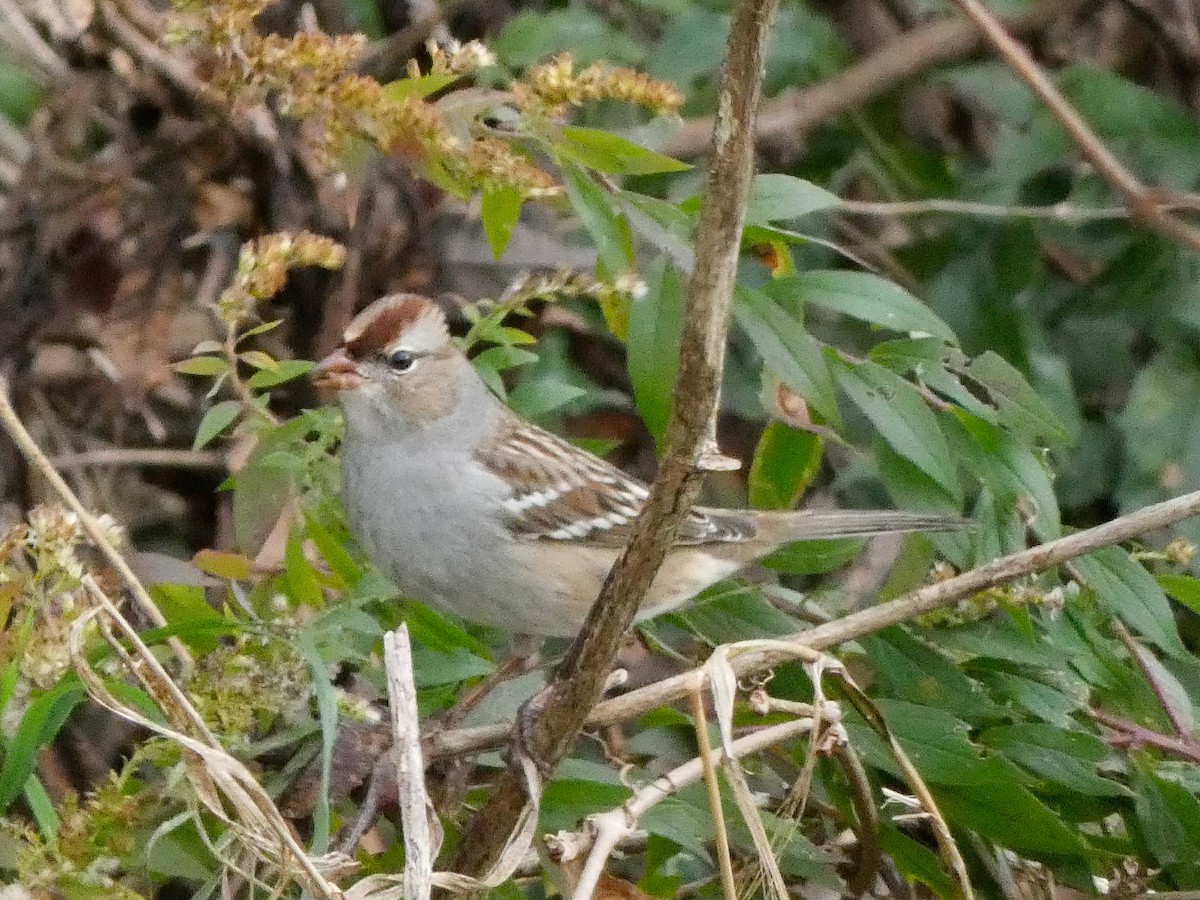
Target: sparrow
(483, 515)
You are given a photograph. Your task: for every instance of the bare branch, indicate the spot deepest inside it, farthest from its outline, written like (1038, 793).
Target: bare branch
(141, 457)
(578, 683)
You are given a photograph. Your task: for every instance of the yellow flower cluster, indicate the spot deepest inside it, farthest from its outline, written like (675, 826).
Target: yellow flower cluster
(556, 85)
(263, 269)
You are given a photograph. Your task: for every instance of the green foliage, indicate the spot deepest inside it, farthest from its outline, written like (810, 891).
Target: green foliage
(981, 375)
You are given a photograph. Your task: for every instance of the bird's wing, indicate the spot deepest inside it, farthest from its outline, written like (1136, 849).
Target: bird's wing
(560, 492)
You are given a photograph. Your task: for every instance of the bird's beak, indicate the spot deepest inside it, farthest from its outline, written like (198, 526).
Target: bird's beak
(337, 372)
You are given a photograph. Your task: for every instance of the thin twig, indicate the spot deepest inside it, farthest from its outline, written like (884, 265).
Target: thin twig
(713, 788)
(1058, 212)
(1144, 205)
(134, 457)
(415, 807)
(1130, 734)
(36, 458)
(867, 621)
(580, 680)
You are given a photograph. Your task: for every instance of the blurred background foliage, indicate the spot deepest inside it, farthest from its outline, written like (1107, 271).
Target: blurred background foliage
(940, 307)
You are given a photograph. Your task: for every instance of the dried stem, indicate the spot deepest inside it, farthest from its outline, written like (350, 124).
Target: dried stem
(713, 787)
(867, 621)
(579, 681)
(419, 849)
(141, 457)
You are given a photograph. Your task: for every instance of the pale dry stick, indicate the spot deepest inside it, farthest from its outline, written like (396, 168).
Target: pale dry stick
(140, 457)
(861, 623)
(579, 682)
(23, 39)
(713, 787)
(36, 458)
(1058, 212)
(415, 808)
(605, 830)
(1142, 203)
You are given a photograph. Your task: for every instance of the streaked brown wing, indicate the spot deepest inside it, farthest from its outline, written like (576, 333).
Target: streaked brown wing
(563, 493)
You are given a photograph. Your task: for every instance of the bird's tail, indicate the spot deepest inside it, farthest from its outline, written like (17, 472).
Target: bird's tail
(808, 525)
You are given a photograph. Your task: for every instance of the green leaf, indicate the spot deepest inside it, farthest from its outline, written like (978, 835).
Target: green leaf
(433, 667)
(1169, 816)
(787, 350)
(652, 348)
(1012, 471)
(299, 576)
(918, 862)
(595, 209)
(202, 365)
(285, 370)
(1125, 588)
(419, 87)
(333, 551)
(608, 152)
(259, 360)
(500, 210)
(262, 328)
(786, 461)
(38, 727)
(219, 417)
(775, 198)
(868, 298)
(1067, 759)
(1003, 810)
(910, 670)
(1020, 407)
(813, 557)
(328, 712)
(902, 419)
(1183, 588)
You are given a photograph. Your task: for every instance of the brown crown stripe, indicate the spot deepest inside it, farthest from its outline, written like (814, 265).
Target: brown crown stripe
(381, 323)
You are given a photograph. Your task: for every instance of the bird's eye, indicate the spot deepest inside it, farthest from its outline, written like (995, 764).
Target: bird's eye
(401, 360)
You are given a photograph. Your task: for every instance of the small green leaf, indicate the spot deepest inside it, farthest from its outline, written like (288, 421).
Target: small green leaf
(285, 370)
(43, 718)
(1183, 588)
(775, 198)
(1067, 759)
(902, 419)
(655, 324)
(260, 329)
(419, 87)
(786, 461)
(219, 417)
(605, 151)
(594, 207)
(869, 298)
(500, 211)
(1019, 405)
(201, 365)
(1124, 587)
(259, 360)
(787, 350)
(813, 557)
(1169, 816)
